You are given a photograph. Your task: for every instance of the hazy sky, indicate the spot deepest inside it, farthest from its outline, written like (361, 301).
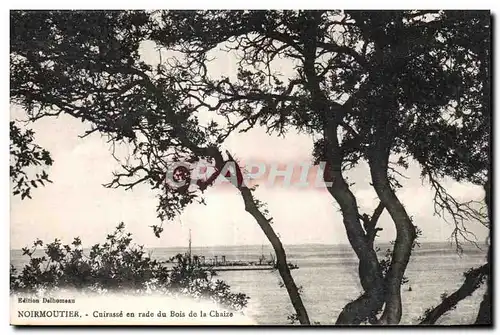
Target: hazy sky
(77, 204)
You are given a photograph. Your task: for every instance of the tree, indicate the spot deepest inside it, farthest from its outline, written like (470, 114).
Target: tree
(60, 63)
(25, 157)
(114, 266)
(454, 141)
(354, 84)
(467, 134)
(370, 78)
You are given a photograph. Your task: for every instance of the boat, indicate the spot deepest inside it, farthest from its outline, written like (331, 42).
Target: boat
(220, 263)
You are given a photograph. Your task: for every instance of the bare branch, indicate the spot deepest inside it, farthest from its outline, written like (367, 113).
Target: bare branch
(457, 213)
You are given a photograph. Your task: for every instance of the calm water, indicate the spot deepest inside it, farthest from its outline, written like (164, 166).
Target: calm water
(328, 275)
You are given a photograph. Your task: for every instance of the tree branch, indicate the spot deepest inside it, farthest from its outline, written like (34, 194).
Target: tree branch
(473, 279)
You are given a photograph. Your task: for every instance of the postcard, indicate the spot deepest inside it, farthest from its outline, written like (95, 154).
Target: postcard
(250, 167)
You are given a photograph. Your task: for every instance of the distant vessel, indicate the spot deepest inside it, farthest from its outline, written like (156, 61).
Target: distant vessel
(220, 263)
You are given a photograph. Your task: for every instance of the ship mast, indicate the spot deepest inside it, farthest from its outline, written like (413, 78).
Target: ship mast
(189, 250)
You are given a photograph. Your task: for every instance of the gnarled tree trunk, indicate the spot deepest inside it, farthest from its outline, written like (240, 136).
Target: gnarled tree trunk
(370, 274)
(405, 235)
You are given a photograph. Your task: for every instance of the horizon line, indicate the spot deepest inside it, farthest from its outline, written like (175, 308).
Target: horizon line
(260, 245)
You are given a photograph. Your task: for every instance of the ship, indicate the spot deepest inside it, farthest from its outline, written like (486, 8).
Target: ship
(220, 263)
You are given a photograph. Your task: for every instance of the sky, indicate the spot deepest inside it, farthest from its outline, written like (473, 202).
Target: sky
(77, 204)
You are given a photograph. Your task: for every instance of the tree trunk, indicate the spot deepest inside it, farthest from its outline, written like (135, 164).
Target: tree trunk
(370, 274)
(369, 270)
(252, 208)
(472, 281)
(281, 262)
(484, 314)
(405, 235)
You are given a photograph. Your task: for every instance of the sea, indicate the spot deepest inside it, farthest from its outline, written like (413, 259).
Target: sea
(328, 277)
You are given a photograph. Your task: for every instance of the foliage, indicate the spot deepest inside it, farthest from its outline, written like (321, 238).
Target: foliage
(114, 266)
(86, 64)
(25, 156)
(293, 318)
